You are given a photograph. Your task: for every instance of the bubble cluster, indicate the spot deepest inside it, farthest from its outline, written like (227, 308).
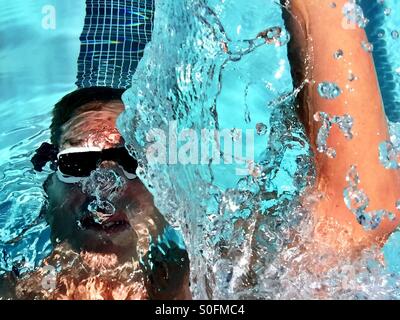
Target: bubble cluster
(354, 14)
(104, 185)
(261, 129)
(367, 46)
(389, 151)
(329, 90)
(345, 124)
(357, 202)
(389, 156)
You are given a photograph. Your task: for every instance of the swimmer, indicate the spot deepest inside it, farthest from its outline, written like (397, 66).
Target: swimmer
(100, 214)
(319, 31)
(96, 248)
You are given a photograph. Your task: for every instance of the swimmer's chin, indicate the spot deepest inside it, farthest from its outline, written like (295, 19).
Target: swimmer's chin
(110, 237)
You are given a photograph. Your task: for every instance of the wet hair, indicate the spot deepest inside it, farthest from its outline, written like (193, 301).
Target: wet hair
(66, 108)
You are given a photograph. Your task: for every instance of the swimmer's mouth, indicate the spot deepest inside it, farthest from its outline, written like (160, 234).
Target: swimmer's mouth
(114, 224)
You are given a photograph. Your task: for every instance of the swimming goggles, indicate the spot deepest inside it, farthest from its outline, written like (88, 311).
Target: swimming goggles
(73, 164)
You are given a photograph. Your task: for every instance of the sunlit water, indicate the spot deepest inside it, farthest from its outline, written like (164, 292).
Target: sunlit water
(205, 69)
(37, 68)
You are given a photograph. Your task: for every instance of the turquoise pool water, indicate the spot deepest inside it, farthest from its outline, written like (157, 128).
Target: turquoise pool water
(38, 67)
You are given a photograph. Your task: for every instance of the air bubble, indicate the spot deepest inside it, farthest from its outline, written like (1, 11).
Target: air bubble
(329, 90)
(352, 77)
(261, 129)
(387, 11)
(345, 124)
(398, 205)
(338, 54)
(357, 202)
(367, 46)
(389, 156)
(354, 14)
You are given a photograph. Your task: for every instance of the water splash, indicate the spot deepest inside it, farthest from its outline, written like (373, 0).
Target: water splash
(389, 151)
(209, 203)
(354, 14)
(388, 155)
(345, 124)
(367, 46)
(247, 237)
(357, 202)
(261, 129)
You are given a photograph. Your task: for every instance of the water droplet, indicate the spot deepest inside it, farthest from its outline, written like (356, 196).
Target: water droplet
(387, 11)
(333, 5)
(395, 34)
(338, 54)
(357, 202)
(367, 46)
(345, 124)
(261, 129)
(352, 76)
(388, 155)
(331, 153)
(391, 216)
(329, 90)
(275, 35)
(354, 14)
(352, 176)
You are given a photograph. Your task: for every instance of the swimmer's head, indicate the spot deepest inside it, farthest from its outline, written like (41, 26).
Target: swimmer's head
(94, 193)
(95, 202)
(83, 101)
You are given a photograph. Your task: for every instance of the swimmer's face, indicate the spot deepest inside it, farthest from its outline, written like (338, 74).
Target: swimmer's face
(76, 212)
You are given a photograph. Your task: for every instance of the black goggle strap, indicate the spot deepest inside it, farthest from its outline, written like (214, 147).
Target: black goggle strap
(45, 153)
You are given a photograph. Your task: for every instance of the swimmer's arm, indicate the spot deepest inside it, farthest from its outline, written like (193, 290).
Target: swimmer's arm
(320, 33)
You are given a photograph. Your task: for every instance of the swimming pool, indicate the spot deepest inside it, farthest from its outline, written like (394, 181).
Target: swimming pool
(38, 67)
